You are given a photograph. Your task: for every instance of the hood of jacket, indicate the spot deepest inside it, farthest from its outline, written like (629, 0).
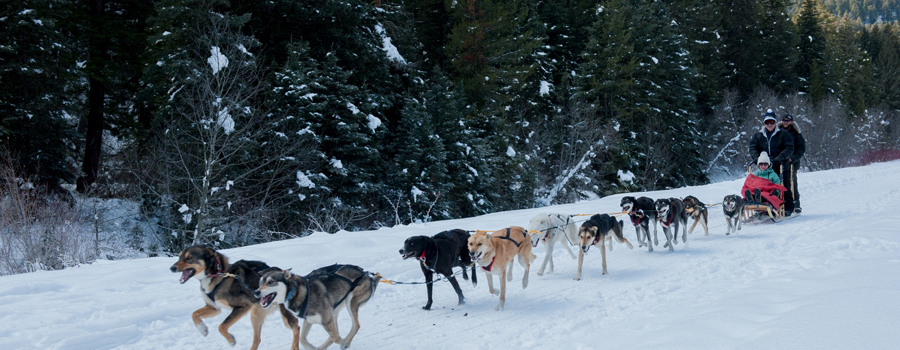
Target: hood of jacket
(793, 127)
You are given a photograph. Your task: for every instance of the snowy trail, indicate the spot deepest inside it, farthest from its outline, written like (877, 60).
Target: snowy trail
(825, 280)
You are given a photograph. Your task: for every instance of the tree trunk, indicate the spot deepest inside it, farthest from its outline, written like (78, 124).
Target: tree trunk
(93, 137)
(97, 47)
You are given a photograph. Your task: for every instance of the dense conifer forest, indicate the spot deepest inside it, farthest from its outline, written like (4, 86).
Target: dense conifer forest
(238, 122)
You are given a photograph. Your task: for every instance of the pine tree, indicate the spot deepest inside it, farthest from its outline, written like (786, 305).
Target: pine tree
(852, 67)
(36, 70)
(742, 42)
(778, 61)
(112, 40)
(700, 24)
(811, 65)
(882, 43)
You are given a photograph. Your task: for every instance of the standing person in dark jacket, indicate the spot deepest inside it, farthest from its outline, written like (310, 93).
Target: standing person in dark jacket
(787, 124)
(779, 144)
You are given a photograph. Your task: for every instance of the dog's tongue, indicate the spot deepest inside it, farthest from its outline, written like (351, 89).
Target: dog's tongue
(186, 275)
(267, 300)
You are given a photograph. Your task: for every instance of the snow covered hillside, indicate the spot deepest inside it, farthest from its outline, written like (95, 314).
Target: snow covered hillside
(825, 280)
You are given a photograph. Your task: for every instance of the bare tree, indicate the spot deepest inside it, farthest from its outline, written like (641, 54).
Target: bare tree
(569, 149)
(222, 165)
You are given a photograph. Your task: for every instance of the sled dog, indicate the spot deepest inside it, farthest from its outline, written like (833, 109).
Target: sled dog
(319, 296)
(551, 228)
(670, 212)
(599, 229)
(642, 212)
(225, 285)
(698, 211)
(733, 207)
(495, 253)
(440, 254)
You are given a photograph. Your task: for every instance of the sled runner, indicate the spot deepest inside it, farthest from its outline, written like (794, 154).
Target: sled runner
(769, 206)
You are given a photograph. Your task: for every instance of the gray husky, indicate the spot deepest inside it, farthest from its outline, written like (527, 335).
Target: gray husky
(670, 212)
(319, 296)
(733, 207)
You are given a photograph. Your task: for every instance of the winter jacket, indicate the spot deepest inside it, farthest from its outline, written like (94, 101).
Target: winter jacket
(779, 144)
(799, 142)
(769, 174)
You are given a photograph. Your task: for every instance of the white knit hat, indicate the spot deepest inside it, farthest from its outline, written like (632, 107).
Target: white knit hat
(763, 158)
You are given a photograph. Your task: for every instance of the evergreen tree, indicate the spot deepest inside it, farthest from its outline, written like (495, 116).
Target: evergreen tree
(607, 77)
(742, 42)
(700, 24)
(490, 47)
(778, 61)
(37, 72)
(112, 40)
(811, 63)
(882, 43)
(852, 67)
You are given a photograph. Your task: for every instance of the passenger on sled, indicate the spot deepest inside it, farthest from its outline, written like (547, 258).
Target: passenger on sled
(763, 185)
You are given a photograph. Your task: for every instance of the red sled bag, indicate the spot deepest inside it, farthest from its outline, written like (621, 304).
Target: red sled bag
(766, 187)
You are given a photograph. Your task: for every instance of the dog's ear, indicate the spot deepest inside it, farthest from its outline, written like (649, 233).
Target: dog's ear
(287, 273)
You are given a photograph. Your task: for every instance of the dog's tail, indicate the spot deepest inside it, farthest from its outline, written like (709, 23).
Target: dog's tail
(374, 278)
(617, 232)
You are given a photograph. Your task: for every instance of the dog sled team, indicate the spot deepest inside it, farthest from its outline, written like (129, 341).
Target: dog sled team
(254, 288)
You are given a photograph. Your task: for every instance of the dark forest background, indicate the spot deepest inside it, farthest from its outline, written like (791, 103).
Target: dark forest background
(238, 122)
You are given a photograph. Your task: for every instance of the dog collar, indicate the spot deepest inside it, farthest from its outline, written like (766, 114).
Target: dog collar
(488, 268)
(422, 257)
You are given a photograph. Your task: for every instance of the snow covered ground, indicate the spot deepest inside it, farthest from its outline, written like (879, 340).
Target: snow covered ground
(825, 280)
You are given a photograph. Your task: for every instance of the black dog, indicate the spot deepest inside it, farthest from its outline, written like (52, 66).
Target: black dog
(671, 213)
(441, 253)
(733, 207)
(642, 212)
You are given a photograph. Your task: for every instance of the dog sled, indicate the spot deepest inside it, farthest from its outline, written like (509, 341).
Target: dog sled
(768, 205)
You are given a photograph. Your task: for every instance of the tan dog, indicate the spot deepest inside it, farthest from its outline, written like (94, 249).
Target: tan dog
(228, 286)
(599, 229)
(697, 210)
(495, 252)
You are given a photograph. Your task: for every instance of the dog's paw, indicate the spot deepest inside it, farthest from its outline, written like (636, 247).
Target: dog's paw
(202, 328)
(495, 291)
(540, 273)
(426, 307)
(578, 278)
(499, 308)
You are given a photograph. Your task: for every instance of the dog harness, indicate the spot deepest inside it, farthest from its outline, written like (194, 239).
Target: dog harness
(422, 259)
(636, 217)
(488, 268)
(212, 293)
(512, 240)
(671, 216)
(333, 272)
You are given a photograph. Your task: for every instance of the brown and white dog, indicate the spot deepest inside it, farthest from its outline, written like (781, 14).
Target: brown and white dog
(599, 229)
(495, 253)
(229, 286)
(697, 210)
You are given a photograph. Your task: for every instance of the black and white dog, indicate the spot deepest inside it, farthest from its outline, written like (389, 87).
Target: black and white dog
(642, 212)
(441, 253)
(733, 207)
(670, 212)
